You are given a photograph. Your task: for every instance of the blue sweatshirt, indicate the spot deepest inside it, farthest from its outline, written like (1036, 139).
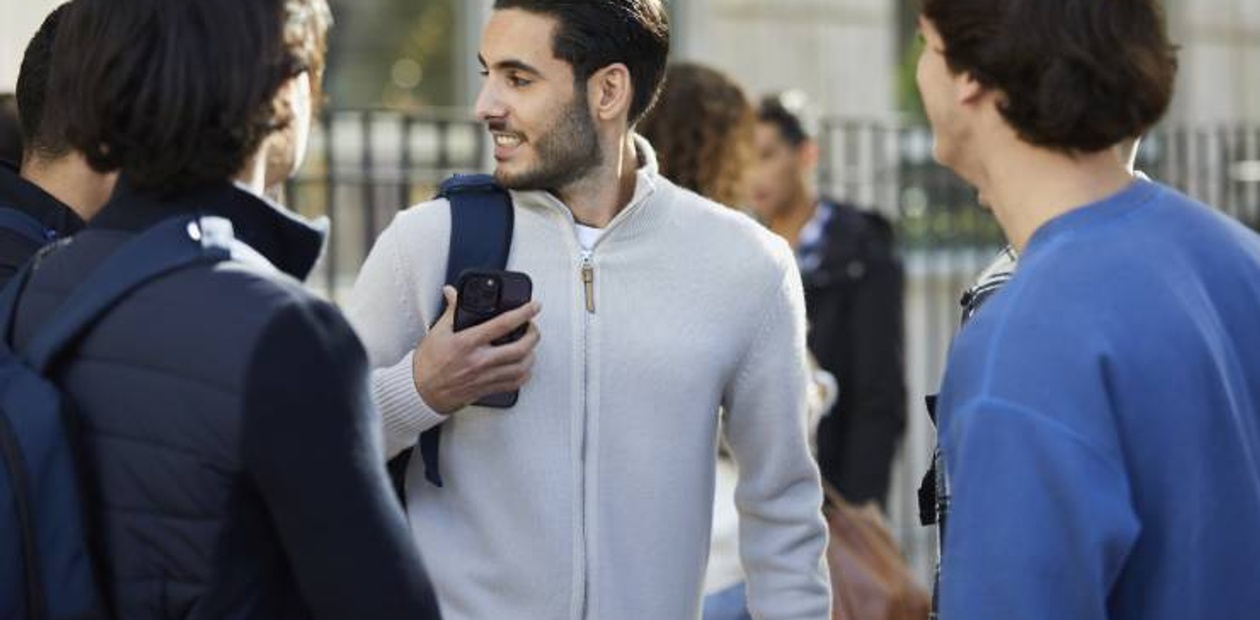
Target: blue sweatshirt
(1100, 423)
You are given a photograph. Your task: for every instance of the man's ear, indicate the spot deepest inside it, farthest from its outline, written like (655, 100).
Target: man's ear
(967, 89)
(808, 154)
(610, 92)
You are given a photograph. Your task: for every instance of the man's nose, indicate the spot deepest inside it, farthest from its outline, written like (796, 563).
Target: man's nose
(489, 106)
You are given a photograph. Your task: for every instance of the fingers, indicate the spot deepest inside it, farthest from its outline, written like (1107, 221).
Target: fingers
(452, 369)
(514, 352)
(502, 325)
(507, 377)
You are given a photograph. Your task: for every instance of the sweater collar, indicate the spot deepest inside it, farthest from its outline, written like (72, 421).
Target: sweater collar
(289, 242)
(1134, 196)
(18, 193)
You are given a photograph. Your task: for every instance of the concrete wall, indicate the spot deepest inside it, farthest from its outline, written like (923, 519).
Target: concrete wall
(1219, 79)
(19, 19)
(841, 52)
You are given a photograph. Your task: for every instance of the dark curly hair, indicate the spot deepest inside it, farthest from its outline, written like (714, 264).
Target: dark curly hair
(702, 129)
(178, 93)
(1076, 75)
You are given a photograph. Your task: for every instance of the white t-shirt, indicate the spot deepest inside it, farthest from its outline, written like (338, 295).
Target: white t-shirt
(588, 236)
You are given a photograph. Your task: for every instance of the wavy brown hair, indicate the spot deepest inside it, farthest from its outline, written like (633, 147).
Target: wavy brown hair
(702, 129)
(1076, 75)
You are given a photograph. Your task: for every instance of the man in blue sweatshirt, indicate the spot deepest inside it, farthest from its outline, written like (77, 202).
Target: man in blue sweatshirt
(1100, 415)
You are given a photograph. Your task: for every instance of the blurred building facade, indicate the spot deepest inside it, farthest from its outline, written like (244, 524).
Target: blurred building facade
(846, 54)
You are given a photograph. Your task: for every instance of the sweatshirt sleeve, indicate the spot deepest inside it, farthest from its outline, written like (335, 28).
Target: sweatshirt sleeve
(779, 496)
(383, 307)
(1040, 522)
(313, 449)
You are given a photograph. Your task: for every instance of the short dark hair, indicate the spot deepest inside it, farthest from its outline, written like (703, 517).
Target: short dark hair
(32, 89)
(10, 130)
(1076, 75)
(791, 113)
(594, 34)
(178, 93)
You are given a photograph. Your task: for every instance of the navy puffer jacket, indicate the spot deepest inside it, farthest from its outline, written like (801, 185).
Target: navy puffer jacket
(233, 457)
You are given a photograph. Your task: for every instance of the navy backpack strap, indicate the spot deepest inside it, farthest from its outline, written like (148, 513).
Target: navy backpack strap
(481, 238)
(9, 301)
(24, 224)
(481, 224)
(172, 245)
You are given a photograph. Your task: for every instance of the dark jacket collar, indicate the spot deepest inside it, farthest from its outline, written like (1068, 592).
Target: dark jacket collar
(291, 243)
(18, 193)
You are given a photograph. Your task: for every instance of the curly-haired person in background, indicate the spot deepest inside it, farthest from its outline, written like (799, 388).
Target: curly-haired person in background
(703, 127)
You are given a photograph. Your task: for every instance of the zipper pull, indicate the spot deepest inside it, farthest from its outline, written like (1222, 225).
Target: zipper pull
(588, 283)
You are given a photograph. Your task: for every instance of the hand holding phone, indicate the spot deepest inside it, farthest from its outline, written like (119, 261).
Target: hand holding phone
(484, 295)
(482, 349)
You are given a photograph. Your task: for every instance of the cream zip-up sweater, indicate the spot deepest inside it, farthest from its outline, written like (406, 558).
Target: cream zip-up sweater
(591, 499)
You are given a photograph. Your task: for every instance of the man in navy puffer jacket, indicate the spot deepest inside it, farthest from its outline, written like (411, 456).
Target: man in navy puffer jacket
(232, 455)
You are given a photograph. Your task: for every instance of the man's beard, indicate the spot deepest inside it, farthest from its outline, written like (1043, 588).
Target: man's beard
(564, 155)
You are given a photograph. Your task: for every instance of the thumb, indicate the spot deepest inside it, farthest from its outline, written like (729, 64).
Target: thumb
(447, 319)
(451, 297)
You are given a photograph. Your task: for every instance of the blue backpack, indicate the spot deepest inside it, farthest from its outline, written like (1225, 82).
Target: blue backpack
(482, 221)
(46, 565)
(25, 225)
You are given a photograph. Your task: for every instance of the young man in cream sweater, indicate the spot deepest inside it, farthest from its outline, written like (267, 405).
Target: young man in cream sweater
(591, 497)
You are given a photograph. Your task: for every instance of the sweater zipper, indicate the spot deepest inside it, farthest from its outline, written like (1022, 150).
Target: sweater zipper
(588, 281)
(586, 273)
(588, 288)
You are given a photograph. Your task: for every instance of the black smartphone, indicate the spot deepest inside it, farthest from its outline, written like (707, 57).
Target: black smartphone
(483, 295)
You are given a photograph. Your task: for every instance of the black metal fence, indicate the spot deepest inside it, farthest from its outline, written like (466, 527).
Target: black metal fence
(365, 165)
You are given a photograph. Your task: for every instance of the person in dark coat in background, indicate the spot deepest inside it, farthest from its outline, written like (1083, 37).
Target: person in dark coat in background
(853, 296)
(232, 459)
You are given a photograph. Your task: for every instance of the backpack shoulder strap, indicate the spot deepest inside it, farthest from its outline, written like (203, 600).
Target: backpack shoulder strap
(482, 221)
(24, 224)
(172, 245)
(481, 224)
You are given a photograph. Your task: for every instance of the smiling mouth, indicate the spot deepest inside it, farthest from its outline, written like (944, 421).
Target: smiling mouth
(507, 140)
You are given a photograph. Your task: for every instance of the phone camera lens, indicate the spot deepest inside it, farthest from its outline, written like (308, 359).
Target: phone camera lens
(481, 295)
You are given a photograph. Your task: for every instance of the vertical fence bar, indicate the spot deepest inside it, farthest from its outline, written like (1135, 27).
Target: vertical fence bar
(1232, 152)
(367, 184)
(1253, 188)
(851, 184)
(405, 163)
(444, 146)
(331, 258)
(826, 172)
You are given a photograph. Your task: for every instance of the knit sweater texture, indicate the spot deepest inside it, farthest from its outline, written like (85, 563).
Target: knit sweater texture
(592, 497)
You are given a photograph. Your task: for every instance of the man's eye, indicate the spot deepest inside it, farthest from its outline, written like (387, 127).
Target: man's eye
(484, 73)
(518, 82)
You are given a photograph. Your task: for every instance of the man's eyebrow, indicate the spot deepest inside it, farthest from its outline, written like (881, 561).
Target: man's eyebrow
(511, 64)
